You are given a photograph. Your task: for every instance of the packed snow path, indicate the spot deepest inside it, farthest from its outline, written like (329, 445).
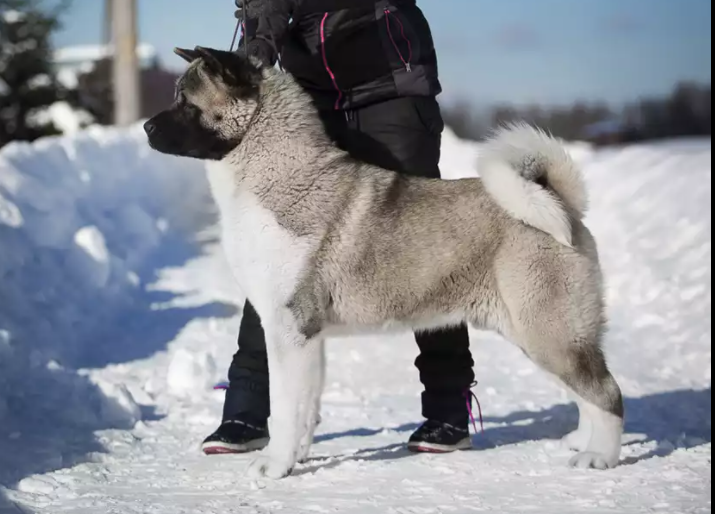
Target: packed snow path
(651, 214)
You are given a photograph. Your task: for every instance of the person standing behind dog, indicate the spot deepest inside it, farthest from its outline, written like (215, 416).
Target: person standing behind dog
(371, 69)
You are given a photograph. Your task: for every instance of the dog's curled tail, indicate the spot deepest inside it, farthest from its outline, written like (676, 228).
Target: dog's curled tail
(532, 176)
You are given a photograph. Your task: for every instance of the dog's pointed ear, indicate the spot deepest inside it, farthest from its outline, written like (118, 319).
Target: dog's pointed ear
(214, 59)
(187, 55)
(237, 70)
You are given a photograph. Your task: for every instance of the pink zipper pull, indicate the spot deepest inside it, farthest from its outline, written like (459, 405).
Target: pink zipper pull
(407, 62)
(327, 66)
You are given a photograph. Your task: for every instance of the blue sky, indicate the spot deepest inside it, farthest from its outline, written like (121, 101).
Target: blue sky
(546, 51)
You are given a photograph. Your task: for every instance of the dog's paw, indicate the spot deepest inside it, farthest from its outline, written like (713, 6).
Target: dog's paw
(591, 460)
(303, 453)
(576, 441)
(306, 442)
(267, 467)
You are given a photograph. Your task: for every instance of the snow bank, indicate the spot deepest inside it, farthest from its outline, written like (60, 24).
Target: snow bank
(81, 219)
(651, 213)
(68, 119)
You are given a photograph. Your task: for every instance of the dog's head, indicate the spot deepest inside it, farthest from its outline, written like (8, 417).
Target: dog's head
(216, 99)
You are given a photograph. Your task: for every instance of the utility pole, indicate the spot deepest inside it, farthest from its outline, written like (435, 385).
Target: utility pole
(127, 93)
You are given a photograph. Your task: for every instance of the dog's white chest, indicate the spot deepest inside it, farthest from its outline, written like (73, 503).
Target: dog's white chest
(266, 259)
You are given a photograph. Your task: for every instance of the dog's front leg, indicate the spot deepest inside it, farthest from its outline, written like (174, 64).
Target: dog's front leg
(290, 356)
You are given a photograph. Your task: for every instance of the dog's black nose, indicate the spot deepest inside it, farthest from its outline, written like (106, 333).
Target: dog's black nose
(149, 128)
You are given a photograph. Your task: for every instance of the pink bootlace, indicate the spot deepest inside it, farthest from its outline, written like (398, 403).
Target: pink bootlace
(469, 394)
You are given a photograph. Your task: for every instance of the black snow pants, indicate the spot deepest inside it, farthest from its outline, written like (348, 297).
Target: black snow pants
(402, 135)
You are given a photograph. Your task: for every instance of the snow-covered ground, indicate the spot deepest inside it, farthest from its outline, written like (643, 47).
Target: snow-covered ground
(117, 314)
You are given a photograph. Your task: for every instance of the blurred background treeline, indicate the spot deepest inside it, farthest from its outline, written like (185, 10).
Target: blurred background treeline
(686, 112)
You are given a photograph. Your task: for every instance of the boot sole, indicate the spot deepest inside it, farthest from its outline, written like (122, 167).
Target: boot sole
(464, 445)
(218, 448)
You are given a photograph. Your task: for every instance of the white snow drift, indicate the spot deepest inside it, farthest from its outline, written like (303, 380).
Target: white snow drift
(80, 218)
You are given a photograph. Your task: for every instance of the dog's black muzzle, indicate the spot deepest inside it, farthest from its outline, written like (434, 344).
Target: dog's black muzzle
(161, 131)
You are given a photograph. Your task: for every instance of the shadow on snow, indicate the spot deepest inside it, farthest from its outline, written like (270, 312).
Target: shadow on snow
(674, 420)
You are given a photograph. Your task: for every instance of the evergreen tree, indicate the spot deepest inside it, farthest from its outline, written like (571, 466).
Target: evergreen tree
(27, 81)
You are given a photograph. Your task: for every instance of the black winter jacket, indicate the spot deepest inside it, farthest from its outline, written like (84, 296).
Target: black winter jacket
(346, 53)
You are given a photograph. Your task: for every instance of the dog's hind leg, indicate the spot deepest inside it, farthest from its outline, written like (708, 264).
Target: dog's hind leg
(313, 401)
(556, 315)
(582, 368)
(290, 359)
